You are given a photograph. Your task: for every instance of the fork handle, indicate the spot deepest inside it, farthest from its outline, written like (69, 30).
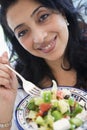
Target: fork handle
(15, 72)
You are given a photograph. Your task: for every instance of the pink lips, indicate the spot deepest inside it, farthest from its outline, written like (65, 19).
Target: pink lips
(49, 47)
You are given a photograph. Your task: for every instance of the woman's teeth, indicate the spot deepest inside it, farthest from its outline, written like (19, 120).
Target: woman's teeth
(47, 47)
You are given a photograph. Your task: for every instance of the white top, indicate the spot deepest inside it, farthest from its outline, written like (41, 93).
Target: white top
(20, 95)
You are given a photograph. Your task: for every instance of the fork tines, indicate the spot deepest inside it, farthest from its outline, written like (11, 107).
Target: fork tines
(35, 91)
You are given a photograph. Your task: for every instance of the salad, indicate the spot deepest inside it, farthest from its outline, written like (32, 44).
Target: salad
(55, 110)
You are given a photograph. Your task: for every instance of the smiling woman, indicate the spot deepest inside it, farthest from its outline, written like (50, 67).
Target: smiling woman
(47, 39)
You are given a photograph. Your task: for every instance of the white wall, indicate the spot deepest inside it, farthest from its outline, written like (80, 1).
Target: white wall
(3, 46)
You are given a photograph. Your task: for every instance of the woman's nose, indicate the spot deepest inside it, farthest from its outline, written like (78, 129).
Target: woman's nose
(39, 36)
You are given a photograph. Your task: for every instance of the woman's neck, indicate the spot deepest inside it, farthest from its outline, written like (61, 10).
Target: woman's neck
(63, 77)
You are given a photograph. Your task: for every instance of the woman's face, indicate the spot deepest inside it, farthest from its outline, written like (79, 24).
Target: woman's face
(39, 30)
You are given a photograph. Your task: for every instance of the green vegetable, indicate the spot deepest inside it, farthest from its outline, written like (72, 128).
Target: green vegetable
(31, 104)
(49, 120)
(48, 109)
(54, 103)
(78, 109)
(72, 127)
(44, 128)
(76, 121)
(47, 96)
(63, 106)
(38, 101)
(32, 114)
(57, 115)
(71, 101)
(40, 121)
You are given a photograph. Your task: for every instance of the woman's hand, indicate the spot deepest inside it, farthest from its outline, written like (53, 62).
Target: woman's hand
(8, 90)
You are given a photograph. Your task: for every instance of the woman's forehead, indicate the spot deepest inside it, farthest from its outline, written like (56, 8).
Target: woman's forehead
(23, 9)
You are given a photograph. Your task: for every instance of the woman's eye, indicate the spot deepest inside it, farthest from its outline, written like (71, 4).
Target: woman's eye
(43, 17)
(22, 33)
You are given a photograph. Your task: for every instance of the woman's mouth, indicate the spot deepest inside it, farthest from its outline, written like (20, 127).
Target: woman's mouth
(49, 47)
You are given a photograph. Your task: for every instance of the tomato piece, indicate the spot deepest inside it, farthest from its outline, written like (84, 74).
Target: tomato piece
(60, 94)
(45, 107)
(40, 113)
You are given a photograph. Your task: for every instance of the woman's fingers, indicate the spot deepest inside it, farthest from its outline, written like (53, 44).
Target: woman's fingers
(5, 77)
(5, 73)
(4, 70)
(4, 82)
(4, 58)
(5, 54)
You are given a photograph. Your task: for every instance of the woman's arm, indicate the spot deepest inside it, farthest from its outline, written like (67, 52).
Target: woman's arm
(8, 91)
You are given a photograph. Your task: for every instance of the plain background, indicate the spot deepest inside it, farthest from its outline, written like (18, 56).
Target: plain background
(3, 46)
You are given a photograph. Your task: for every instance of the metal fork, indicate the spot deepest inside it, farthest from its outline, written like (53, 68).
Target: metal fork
(28, 86)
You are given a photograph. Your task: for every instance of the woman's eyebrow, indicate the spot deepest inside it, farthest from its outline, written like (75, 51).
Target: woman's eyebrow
(20, 25)
(36, 10)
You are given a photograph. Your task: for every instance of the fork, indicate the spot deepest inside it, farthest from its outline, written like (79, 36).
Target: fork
(28, 86)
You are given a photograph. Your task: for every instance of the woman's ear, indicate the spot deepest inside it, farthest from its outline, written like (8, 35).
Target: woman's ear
(63, 14)
(67, 23)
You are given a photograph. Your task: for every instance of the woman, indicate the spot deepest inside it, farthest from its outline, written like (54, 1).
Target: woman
(46, 36)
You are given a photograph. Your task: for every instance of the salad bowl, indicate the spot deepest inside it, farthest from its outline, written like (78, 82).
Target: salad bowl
(22, 112)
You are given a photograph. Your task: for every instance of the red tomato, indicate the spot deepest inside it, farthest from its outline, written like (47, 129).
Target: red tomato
(40, 113)
(45, 107)
(60, 94)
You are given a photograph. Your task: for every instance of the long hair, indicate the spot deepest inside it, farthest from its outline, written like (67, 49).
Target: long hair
(34, 68)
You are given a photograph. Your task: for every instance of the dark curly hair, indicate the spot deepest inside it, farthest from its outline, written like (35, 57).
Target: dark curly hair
(34, 68)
